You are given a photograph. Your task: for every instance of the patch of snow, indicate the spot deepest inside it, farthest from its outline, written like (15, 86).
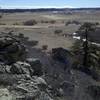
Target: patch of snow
(77, 37)
(74, 33)
(97, 44)
(84, 39)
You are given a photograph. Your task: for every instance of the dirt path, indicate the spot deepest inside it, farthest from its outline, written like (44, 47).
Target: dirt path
(31, 27)
(22, 26)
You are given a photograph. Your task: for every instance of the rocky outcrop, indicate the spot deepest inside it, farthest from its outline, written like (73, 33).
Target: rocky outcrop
(63, 56)
(5, 94)
(20, 84)
(24, 88)
(21, 68)
(21, 78)
(41, 77)
(36, 66)
(27, 89)
(4, 68)
(11, 49)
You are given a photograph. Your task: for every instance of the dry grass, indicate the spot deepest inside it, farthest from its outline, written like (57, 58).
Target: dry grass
(45, 32)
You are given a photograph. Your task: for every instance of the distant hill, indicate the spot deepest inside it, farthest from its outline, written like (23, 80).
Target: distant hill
(49, 10)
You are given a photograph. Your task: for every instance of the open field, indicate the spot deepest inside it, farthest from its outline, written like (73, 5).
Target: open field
(47, 24)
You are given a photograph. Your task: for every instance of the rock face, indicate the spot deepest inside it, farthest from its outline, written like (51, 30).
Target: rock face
(68, 88)
(21, 68)
(5, 94)
(63, 56)
(20, 85)
(24, 88)
(22, 79)
(36, 66)
(11, 49)
(4, 68)
(27, 89)
(26, 79)
(94, 91)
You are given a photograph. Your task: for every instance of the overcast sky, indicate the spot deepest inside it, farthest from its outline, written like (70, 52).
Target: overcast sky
(48, 3)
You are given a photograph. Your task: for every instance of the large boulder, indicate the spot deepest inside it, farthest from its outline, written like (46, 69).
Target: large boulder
(36, 66)
(11, 49)
(4, 68)
(63, 56)
(21, 68)
(31, 89)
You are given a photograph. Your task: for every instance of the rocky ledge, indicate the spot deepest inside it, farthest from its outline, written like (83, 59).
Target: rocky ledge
(41, 77)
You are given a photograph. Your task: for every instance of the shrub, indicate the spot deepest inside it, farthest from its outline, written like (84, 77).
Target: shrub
(16, 23)
(52, 21)
(44, 47)
(2, 24)
(58, 31)
(97, 23)
(31, 43)
(0, 16)
(75, 22)
(67, 23)
(42, 21)
(72, 22)
(30, 22)
(21, 35)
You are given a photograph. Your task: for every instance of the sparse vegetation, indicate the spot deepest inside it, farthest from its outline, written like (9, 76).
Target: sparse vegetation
(47, 21)
(87, 53)
(72, 22)
(16, 23)
(52, 21)
(1, 15)
(58, 32)
(2, 24)
(44, 47)
(44, 21)
(30, 22)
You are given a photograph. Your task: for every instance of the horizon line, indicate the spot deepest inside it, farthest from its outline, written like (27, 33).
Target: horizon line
(41, 7)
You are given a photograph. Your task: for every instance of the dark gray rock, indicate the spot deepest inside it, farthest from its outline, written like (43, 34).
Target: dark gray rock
(63, 56)
(44, 96)
(11, 49)
(4, 68)
(36, 66)
(94, 92)
(21, 68)
(68, 88)
(30, 89)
